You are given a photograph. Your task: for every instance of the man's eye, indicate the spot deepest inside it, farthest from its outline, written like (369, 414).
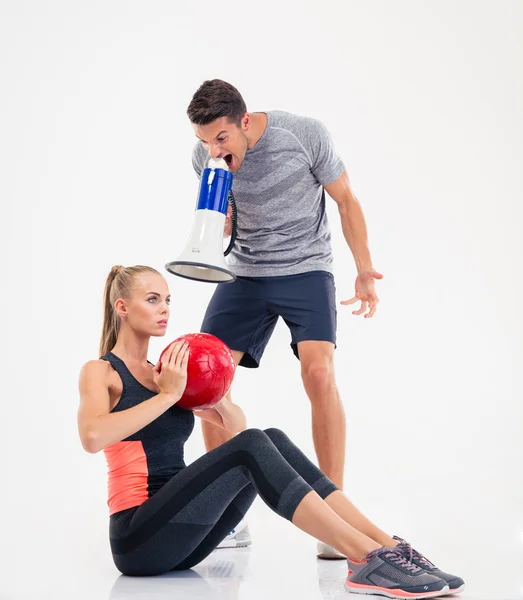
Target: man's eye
(220, 140)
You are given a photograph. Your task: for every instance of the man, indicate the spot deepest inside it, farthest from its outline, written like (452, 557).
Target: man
(282, 256)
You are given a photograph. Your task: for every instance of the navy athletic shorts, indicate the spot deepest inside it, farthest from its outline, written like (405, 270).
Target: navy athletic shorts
(244, 313)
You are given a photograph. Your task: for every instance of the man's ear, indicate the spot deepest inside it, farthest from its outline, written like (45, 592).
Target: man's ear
(246, 122)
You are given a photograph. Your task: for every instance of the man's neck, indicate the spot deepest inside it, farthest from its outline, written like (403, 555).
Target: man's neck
(257, 129)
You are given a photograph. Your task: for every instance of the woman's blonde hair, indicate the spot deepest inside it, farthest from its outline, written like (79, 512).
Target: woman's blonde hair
(119, 284)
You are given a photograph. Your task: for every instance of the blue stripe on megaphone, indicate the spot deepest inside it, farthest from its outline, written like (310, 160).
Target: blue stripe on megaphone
(214, 190)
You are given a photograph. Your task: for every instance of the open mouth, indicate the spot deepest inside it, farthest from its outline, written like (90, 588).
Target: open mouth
(228, 159)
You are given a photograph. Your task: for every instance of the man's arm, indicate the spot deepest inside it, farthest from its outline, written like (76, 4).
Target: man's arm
(352, 220)
(355, 232)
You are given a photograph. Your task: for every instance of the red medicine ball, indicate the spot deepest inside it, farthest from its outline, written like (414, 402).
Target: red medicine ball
(210, 371)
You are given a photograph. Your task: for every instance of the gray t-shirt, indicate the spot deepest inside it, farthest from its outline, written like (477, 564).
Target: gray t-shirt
(282, 223)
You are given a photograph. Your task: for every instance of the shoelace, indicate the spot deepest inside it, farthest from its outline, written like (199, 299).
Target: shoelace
(422, 559)
(395, 557)
(405, 548)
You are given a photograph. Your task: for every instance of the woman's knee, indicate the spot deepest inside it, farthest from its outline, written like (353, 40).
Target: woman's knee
(276, 435)
(251, 437)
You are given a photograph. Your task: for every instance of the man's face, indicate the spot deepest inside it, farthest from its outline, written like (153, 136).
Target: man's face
(223, 139)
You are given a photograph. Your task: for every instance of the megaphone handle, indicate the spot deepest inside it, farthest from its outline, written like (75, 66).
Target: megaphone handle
(234, 221)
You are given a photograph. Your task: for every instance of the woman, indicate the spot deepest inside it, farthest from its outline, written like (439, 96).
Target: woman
(165, 515)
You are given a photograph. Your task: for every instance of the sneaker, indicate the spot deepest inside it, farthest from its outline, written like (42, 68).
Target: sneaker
(388, 573)
(327, 552)
(238, 538)
(456, 584)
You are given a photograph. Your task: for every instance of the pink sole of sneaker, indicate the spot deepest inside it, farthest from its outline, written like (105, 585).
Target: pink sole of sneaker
(356, 588)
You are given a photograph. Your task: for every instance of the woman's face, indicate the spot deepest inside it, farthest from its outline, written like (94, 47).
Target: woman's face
(147, 311)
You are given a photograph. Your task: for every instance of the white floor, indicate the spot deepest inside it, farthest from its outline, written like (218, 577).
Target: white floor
(75, 563)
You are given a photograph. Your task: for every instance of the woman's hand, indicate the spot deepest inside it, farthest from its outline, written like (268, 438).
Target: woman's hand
(170, 374)
(225, 414)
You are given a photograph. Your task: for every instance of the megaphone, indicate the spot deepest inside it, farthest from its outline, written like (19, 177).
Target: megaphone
(203, 258)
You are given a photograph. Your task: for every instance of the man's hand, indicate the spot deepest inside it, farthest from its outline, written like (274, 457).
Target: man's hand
(227, 228)
(365, 293)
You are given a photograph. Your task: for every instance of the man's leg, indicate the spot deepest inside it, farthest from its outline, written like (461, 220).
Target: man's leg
(238, 315)
(307, 304)
(328, 416)
(213, 435)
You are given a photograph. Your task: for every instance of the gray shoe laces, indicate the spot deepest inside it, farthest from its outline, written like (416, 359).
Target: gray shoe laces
(396, 558)
(406, 549)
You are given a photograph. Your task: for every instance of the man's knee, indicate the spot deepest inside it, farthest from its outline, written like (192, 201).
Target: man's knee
(319, 373)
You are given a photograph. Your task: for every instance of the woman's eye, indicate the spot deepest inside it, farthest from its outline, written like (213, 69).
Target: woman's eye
(155, 299)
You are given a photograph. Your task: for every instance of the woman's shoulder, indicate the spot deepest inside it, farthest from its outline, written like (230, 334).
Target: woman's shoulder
(98, 368)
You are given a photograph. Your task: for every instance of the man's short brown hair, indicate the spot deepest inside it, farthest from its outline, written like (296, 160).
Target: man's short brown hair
(215, 99)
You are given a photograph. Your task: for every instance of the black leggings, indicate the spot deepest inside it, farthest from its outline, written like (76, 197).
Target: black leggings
(191, 514)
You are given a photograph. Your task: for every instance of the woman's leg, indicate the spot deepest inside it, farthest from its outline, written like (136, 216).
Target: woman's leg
(315, 517)
(227, 522)
(168, 528)
(335, 498)
(180, 524)
(373, 569)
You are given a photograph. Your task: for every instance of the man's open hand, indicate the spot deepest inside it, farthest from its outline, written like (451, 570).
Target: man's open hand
(365, 293)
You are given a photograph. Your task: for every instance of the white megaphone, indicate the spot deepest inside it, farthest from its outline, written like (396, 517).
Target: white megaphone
(203, 258)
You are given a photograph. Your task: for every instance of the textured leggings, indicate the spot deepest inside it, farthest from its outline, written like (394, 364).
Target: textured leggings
(191, 514)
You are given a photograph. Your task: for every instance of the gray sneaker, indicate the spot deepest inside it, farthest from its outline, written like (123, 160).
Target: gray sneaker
(388, 573)
(455, 583)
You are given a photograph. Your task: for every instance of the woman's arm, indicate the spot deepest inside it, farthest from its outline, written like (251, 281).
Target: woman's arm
(98, 428)
(226, 414)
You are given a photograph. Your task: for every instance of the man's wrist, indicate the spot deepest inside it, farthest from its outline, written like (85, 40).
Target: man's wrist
(364, 267)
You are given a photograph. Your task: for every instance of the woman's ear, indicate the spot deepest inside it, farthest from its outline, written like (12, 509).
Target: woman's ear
(120, 308)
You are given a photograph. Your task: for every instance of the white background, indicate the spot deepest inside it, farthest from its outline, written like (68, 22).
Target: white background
(423, 99)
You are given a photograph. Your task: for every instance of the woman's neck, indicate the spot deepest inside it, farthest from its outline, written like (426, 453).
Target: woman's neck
(131, 347)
